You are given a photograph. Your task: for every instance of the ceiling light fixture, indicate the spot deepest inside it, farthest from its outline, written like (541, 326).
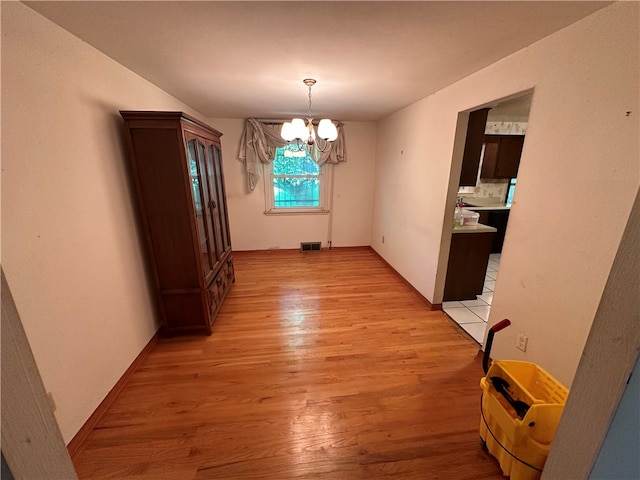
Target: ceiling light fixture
(306, 134)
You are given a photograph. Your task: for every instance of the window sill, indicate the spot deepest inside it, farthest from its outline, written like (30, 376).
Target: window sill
(297, 211)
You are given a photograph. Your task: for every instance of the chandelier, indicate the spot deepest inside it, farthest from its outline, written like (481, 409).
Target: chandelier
(306, 134)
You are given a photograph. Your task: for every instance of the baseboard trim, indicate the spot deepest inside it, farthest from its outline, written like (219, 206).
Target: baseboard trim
(77, 443)
(269, 251)
(431, 306)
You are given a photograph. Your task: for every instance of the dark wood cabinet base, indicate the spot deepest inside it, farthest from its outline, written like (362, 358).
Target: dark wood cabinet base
(468, 260)
(499, 220)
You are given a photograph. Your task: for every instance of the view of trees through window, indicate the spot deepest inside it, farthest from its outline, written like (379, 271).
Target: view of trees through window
(296, 178)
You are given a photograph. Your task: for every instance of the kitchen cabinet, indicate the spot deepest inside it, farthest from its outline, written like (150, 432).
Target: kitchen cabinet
(499, 220)
(501, 156)
(176, 169)
(468, 260)
(473, 147)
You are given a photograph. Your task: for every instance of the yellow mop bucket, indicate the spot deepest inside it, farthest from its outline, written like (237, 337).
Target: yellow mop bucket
(520, 409)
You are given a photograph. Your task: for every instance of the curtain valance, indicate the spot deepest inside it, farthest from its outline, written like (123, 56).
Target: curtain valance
(259, 142)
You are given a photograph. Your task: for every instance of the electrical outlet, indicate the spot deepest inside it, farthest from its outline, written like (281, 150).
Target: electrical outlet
(521, 342)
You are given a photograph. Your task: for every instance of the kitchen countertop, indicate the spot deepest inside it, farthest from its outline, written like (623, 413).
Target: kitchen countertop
(480, 209)
(479, 204)
(479, 228)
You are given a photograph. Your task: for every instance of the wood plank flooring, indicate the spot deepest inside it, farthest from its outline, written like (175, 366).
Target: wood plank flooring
(321, 365)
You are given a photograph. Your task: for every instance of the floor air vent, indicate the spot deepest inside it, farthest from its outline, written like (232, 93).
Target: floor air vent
(310, 246)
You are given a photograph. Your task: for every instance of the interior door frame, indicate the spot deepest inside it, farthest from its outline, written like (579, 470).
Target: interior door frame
(31, 440)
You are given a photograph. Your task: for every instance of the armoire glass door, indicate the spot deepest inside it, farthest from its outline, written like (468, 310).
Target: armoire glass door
(219, 203)
(195, 152)
(217, 160)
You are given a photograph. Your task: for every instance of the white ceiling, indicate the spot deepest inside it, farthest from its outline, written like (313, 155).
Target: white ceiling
(248, 59)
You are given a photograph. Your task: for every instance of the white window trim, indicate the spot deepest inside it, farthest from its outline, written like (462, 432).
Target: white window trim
(325, 192)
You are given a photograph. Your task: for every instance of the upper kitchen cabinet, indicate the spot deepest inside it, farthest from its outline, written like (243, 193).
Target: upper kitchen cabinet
(501, 156)
(473, 147)
(176, 167)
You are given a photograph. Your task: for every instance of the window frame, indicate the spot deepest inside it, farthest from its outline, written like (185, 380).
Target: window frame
(325, 173)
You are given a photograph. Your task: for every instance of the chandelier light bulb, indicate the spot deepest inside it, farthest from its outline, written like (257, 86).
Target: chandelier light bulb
(306, 134)
(288, 132)
(299, 129)
(327, 130)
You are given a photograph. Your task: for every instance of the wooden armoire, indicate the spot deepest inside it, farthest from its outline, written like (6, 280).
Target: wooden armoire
(176, 167)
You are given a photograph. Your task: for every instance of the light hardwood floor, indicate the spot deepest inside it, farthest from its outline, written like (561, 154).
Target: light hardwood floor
(321, 365)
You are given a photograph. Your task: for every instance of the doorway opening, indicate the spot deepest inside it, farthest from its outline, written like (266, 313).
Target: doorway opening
(475, 253)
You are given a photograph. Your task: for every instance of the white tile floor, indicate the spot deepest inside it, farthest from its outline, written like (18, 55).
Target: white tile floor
(472, 315)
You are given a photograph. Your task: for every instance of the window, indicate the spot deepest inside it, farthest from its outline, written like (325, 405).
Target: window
(511, 191)
(295, 183)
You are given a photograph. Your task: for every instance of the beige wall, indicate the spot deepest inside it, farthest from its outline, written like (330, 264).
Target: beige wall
(351, 214)
(577, 179)
(70, 246)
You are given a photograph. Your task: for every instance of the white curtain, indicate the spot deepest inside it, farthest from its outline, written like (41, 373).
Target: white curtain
(259, 142)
